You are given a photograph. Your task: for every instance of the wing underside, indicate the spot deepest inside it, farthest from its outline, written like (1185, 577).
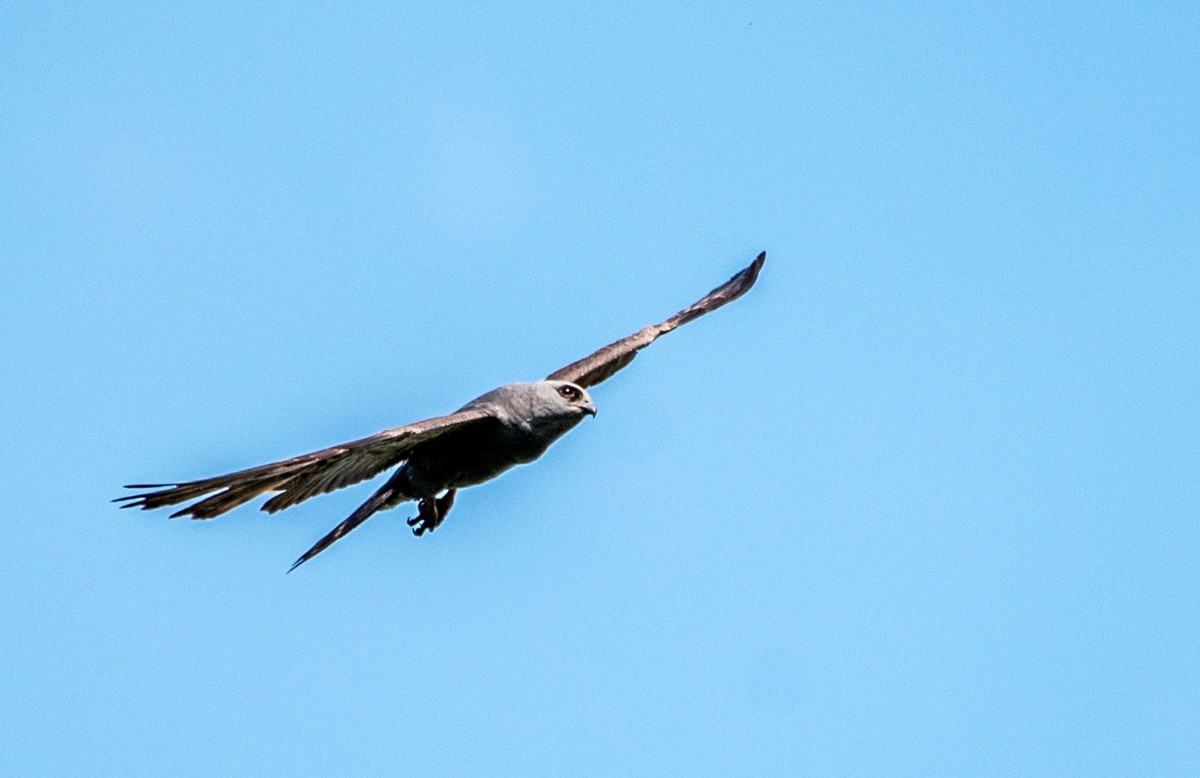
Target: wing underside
(601, 364)
(296, 479)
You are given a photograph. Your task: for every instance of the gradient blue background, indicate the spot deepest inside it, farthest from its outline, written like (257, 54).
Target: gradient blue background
(924, 502)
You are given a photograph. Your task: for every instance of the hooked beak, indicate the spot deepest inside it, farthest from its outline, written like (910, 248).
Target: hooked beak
(587, 408)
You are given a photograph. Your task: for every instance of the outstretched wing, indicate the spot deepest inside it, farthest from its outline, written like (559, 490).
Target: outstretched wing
(601, 364)
(301, 477)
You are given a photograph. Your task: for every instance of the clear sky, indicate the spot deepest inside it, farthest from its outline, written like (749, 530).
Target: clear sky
(924, 502)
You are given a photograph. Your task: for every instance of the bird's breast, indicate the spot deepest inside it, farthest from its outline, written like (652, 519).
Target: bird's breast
(455, 461)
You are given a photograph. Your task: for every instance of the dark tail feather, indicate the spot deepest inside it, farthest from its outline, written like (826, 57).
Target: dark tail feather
(377, 501)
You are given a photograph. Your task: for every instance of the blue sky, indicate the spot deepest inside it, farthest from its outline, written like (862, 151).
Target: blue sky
(923, 502)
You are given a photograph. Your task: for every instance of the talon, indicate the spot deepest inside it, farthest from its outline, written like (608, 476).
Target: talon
(426, 518)
(431, 512)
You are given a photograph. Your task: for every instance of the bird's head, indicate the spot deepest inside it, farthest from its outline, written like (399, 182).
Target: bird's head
(572, 398)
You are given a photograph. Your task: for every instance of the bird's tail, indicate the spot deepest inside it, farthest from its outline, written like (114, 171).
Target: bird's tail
(388, 496)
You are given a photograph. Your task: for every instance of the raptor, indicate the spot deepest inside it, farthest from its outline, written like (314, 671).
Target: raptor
(508, 426)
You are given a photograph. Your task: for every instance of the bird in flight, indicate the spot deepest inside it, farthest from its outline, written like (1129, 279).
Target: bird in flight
(508, 426)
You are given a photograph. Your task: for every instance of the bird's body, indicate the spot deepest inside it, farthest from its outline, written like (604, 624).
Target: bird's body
(522, 421)
(511, 425)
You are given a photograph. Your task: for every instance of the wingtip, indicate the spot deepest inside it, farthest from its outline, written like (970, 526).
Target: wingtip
(749, 274)
(756, 266)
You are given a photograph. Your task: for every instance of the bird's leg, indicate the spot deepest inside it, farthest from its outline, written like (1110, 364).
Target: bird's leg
(431, 512)
(443, 506)
(426, 516)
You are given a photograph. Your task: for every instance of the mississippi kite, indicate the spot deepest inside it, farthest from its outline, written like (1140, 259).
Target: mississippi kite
(508, 426)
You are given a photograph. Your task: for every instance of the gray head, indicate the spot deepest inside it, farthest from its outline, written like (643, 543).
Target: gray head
(571, 398)
(539, 401)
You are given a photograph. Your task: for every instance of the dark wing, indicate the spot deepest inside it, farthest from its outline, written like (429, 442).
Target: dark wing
(601, 364)
(301, 477)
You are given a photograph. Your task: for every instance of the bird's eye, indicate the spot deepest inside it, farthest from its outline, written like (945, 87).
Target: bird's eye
(568, 392)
